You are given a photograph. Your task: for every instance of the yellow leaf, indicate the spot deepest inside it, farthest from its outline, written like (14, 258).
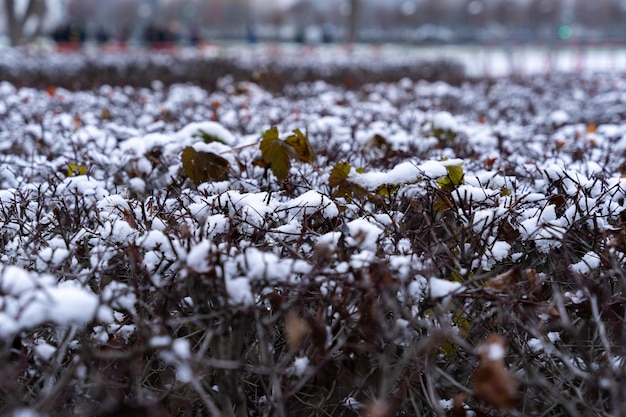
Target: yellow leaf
(74, 169)
(442, 202)
(302, 146)
(453, 179)
(204, 166)
(387, 190)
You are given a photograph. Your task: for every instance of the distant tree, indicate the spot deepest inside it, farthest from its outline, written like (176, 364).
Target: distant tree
(543, 13)
(16, 22)
(598, 14)
(507, 12)
(353, 20)
(434, 11)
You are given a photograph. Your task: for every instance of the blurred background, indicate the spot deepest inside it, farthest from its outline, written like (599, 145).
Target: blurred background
(159, 23)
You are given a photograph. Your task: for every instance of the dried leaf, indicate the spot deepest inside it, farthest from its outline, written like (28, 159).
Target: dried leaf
(489, 162)
(296, 330)
(300, 143)
(458, 408)
(491, 381)
(204, 166)
(533, 283)
(559, 201)
(503, 281)
(380, 408)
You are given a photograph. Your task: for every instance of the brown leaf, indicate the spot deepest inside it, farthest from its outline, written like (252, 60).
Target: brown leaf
(533, 283)
(503, 281)
(204, 166)
(508, 232)
(491, 380)
(302, 146)
(458, 406)
(380, 408)
(296, 330)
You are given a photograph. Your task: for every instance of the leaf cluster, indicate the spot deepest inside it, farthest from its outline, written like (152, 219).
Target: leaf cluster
(277, 154)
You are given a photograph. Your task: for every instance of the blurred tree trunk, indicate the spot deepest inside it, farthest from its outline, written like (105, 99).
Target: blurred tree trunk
(16, 22)
(353, 22)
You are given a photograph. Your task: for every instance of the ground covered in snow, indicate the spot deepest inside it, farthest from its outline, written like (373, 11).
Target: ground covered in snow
(402, 248)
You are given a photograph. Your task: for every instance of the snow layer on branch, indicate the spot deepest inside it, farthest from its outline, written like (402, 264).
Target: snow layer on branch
(311, 202)
(440, 288)
(30, 300)
(214, 129)
(364, 234)
(589, 262)
(403, 173)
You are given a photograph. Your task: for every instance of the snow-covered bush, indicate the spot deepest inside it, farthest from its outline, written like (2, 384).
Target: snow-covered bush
(366, 279)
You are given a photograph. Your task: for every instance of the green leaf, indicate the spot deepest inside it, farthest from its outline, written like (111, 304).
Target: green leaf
(379, 142)
(207, 137)
(204, 166)
(453, 179)
(505, 192)
(387, 190)
(276, 153)
(300, 143)
(338, 179)
(444, 135)
(339, 174)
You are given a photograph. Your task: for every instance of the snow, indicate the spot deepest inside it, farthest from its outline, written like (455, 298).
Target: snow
(440, 288)
(31, 300)
(364, 234)
(559, 117)
(300, 365)
(444, 121)
(45, 351)
(84, 185)
(403, 173)
(311, 202)
(198, 256)
(500, 250)
(239, 291)
(590, 261)
(215, 129)
(494, 351)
